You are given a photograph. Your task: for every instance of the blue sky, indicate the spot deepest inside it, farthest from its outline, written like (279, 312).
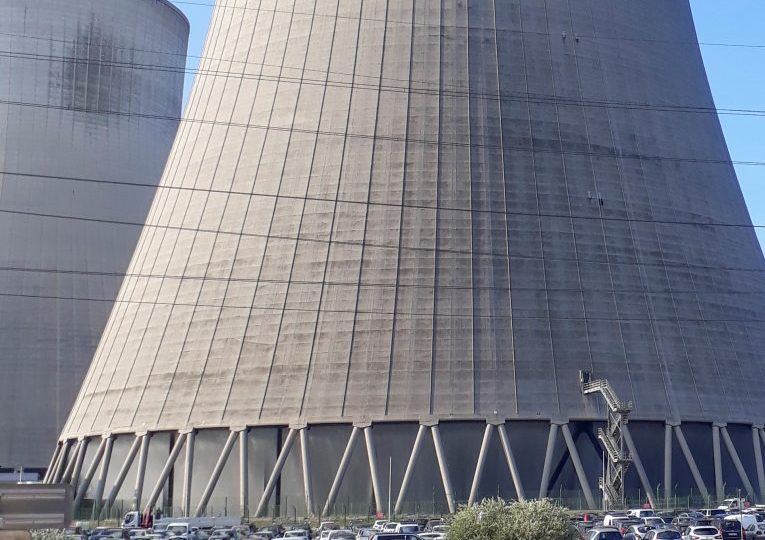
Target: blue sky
(737, 76)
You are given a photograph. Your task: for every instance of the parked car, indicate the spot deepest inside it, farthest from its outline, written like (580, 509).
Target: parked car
(638, 532)
(611, 517)
(703, 532)
(432, 523)
(341, 534)
(408, 528)
(731, 529)
(379, 524)
(641, 512)
(395, 536)
(604, 533)
(365, 534)
(663, 534)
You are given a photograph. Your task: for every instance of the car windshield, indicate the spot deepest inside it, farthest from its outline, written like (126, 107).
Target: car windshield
(706, 531)
(337, 535)
(294, 534)
(609, 535)
(669, 535)
(177, 529)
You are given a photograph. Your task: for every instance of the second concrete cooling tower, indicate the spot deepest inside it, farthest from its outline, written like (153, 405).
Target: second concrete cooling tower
(392, 234)
(86, 124)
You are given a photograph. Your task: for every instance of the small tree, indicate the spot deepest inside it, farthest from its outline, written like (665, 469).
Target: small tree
(495, 519)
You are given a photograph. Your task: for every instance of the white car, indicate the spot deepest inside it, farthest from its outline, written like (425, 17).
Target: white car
(341, 534)
(702, 532)
(327, 526)
(641, 512)
(296, 534)
(379, 524)
(390, 527)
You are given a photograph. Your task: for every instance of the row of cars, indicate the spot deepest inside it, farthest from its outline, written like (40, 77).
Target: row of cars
(222, 528)
(379, 530)
(740, 524)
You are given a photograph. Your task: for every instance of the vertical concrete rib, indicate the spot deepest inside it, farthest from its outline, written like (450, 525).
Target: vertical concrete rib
(71, 464)
(244, 474)
(580, 473)
(405, 172)
(307, 476)
(372, 458)
(639, 466)
(483, 452)
(737, 462)
(89, 474)
(216, 472)
(758, 462)
(410, 467)
(58, 471)
(79, 462)
(691, 462)
(53, 460)
(166, 470)
(188, 473)
(547, 467)
(101, 485)
(276, 473)
(140, 474)
(342, 468)
(443, 467)
(718, 463)
(122, 474)
(667, 462)
(511, 463)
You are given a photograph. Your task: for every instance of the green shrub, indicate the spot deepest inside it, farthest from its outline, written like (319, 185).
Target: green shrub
(495, 519)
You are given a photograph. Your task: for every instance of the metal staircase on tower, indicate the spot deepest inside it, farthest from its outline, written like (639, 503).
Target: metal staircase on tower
(612, 439)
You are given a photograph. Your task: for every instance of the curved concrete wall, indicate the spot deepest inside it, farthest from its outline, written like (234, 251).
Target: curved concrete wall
(405, 210)
(80, 105)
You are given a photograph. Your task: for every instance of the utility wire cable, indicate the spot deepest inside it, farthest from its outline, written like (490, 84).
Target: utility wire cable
(330, 241)
(413, 87)
(384, 285)
(385, 313)
(391, 138)
(222, 191)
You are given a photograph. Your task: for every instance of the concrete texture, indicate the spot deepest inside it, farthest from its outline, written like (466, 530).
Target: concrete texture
(79, 100)
(408, 210)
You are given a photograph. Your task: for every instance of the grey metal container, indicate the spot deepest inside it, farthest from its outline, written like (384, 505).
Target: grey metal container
(428, 216)
(80, 106)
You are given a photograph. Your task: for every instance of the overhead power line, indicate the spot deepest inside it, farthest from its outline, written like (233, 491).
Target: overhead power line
(416, 87)
(388, 313)
(373, 203)
(387, 285)
(379, 137)
(606, 259)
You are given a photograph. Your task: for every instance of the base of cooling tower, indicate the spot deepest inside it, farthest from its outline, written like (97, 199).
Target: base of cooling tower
(429, 468)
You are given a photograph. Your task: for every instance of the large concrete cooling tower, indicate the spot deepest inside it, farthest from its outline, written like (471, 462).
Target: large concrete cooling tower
(80, 107)
(403, 221)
